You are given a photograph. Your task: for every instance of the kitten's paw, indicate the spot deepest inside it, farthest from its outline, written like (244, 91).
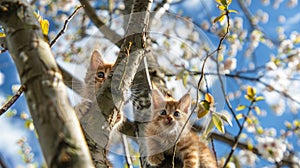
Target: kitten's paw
(155, 160)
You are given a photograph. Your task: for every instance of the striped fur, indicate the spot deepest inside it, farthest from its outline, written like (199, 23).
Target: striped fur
(96, 74)
(167, 122)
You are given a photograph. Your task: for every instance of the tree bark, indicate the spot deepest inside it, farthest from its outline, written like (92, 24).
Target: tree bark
(59, 132)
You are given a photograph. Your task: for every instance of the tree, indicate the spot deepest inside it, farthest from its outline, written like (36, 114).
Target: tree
(173, 53)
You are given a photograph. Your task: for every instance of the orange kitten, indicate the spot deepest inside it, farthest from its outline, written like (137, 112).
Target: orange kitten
(168, 119)
(98, 70)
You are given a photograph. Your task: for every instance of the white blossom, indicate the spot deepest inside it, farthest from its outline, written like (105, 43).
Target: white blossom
(272, 149)
(247, 158)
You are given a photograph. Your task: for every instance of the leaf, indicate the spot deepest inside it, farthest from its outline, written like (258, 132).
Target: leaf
(221, 7)
(250, 145)
(260, 130)
(202, 111)
(205, 104)
(259, 98)
(240, 116)
(2, 35)
(29, 124)
(232, 11)
(11, 113)
(218, 123)
(248, 97)
(224, 118)
(224, 2)
(240, 107)
(251, 91)
(209, 98)
(257, 109)
(45, 26)
(185, 78)
(219, 18)
(209, 127)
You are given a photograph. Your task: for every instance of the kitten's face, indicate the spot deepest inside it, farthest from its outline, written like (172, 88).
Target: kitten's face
(169, 113)
(98, 70)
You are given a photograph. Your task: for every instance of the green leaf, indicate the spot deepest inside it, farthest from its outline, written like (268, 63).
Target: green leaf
(202, 111)
(11, 113)
(257, 109)
(2, 35)
(240, 116)
(224, 118)
(232, 11)
(251, 91)
(259, 98)
(185, 78)
(209, 98)
(218, 123)
(209, 127)
(219, 18)
(240, 107)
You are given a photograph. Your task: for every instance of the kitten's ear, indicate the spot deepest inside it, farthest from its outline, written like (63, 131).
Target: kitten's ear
(185, 103)
(158, 100)
(96, 60)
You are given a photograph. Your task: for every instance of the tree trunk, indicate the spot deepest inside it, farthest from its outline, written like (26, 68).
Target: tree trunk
(55, 121)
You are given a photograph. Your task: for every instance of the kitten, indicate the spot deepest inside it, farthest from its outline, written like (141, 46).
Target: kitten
(168, 119)
(98, 70)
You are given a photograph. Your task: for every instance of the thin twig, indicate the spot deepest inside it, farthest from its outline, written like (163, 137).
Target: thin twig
(218, 72)
(237, 137)
(63, 30)
(127, 152)
(12, 100)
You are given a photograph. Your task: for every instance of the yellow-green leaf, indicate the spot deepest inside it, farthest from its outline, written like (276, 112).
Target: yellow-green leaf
(224, 118)
(240, 107)
(260, 130)
(296, 123)
(219, 18)
(29, 124)
(2, 34)
(259, 98)
(249, 120)
(205, 104)
(232, 11)
(209, 98)
(218, 123)
(248, 97)
(229, 2)
(45, 26)
(251, 91)
(202, 111)
(221, 7)
(257, 109)
(209, 127)
(185, 78)
(240, 116)
(250, 145)
(11, 113)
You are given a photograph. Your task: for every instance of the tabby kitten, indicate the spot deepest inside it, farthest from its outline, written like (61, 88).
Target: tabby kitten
(98, 70)
(169, 117)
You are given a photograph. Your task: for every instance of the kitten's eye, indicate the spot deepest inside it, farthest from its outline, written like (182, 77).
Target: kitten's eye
(100, 74)
(176, 114)
(163, 112)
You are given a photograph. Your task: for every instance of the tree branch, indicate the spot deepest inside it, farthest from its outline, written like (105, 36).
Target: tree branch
(12, 100)
(56, 123)
(107, 32)
(110, 98)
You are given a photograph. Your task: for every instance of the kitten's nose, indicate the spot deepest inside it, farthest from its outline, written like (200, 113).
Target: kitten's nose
(169, 118)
